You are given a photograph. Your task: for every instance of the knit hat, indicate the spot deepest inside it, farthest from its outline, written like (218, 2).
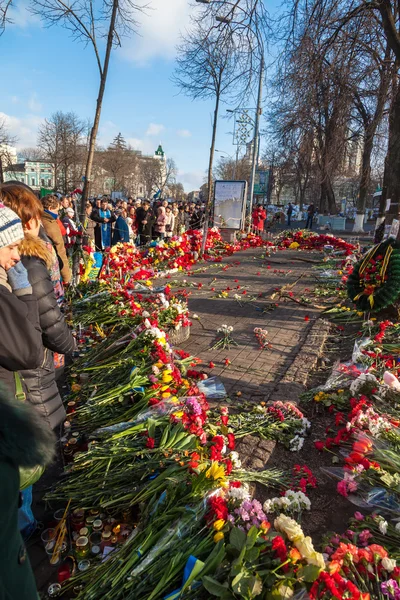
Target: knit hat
(10, 227)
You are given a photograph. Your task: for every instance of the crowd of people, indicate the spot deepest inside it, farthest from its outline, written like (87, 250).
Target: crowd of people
(109, 222)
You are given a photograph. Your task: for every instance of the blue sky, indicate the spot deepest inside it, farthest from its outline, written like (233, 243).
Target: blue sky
(44, 70)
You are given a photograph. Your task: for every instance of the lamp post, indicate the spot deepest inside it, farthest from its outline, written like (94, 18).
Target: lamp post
(256, 139)
(227, 19)
(230, 158)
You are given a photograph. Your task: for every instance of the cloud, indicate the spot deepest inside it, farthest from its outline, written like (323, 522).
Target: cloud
(158, 32)
(184, 133)
(155, 129)
(20, 15)
(191, 180)
(23, 128)
(34, 104)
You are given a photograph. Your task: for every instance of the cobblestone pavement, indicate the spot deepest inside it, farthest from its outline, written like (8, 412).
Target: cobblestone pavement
(296, 336)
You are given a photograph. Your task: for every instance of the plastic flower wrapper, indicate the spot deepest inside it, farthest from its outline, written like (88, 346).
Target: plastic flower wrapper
(162, 408)
(279, 420)
(366, 529)
(292, 503)
(151, 562)
(341, 377)
(355, 572)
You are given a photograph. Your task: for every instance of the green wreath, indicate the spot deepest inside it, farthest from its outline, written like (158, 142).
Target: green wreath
(374, 283)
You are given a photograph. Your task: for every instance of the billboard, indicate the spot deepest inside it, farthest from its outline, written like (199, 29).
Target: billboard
(261, 182)
(229, 204)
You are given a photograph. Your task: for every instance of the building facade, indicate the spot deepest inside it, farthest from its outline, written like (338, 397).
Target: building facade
(37, 174)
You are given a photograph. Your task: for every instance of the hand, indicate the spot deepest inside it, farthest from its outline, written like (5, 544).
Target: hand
(144, 222)
(106, 220)
(18, 277)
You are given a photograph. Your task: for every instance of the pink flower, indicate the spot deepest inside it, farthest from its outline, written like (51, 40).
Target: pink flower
(342, 488)
(358, 516)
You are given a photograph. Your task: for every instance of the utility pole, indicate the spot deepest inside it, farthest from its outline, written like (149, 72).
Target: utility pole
(255, 139)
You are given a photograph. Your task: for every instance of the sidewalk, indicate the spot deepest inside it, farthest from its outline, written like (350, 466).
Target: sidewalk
(254, 373)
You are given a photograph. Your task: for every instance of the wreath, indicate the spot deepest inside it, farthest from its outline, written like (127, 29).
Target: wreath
(374, 283)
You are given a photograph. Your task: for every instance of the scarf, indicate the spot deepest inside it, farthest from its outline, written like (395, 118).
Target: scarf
(105, 228)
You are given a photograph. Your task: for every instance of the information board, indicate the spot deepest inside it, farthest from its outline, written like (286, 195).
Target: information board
(229, 204)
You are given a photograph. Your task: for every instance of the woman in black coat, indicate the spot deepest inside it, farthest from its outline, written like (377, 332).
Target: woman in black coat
(25, 441)
(56, 336)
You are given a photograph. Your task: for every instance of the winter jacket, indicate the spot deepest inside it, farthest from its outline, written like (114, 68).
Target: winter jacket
(121, 231)
(196, 218)
(169, 224)
(88, 227)
(144, 229)
(20, 334)
(52, 229)
(40, 382)
(24, 441)
(259, 215)
(161, 220)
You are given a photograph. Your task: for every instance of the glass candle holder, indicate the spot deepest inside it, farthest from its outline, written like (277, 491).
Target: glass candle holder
(82, 548)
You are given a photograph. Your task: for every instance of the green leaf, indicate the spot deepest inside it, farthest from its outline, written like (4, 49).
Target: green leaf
(252, 554)
(237, 538)
(255, 586)
(214, 559)
(151, 427)
(238, 581)
(251, 537)
(214, 587)
(309, 573)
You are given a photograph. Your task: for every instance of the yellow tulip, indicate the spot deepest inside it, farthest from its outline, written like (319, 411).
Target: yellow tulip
(218, 537)
(219, 524)
(216, 471)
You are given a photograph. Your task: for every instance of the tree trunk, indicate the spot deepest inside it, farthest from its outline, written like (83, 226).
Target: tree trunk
(365, 179)
(1, 170)
(95, 128)
(210, 169)
(392, 167)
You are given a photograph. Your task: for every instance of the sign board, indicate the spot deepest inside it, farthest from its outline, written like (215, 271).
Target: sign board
(394, 229)
(229, 204)
(261, 182)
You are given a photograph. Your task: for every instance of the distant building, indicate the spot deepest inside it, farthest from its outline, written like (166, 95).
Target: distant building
(35, 173)
(193, 196)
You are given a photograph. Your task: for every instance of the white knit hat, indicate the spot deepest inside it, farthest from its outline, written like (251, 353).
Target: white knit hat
(11, 230)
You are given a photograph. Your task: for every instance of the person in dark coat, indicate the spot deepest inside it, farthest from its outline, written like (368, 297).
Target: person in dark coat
(145, 221)
(310, 216)
(52, 225)
(121, 229)
(56, 336)
(25, 441)
(20, 334)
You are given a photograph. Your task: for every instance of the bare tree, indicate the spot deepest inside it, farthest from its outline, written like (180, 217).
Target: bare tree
(6, 141)
(168, 174)
(90, 24)
(5, 6)
(32, 153)
(150, 174)
(228, 168)
(218, 62)
(177, 191)
(61, 142)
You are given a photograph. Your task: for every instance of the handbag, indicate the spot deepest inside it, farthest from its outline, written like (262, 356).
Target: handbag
(27, 475)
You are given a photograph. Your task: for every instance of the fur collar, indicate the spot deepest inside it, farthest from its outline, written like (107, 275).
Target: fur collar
(4, 280)
(25, 439)
(34, 246)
